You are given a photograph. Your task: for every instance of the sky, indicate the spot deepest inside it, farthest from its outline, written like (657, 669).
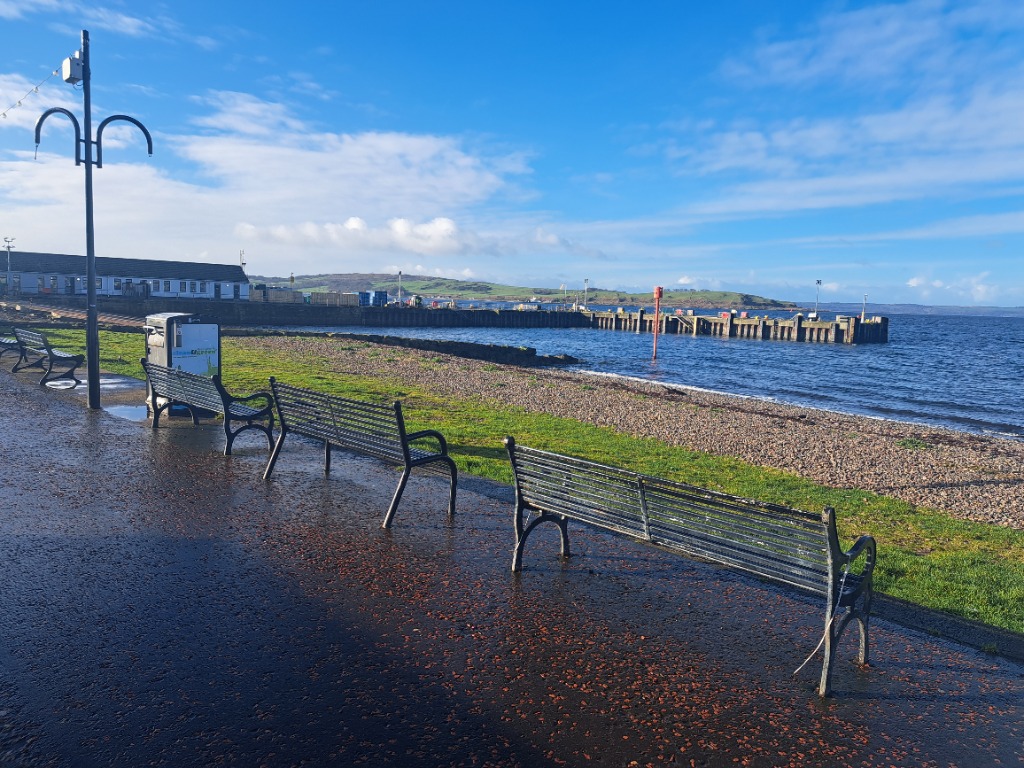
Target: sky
(796, 150)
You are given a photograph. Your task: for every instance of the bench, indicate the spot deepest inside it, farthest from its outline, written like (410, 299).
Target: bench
(170, 386)
(786, 546)
(9, 344)
(35, 345)
(367, 428)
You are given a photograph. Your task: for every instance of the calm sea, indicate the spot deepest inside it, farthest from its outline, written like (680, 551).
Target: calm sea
(961, 372)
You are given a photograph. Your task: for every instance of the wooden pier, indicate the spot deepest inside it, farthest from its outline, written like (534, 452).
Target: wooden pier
(848, 329)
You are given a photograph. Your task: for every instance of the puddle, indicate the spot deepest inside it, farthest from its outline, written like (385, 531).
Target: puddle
(132, 412)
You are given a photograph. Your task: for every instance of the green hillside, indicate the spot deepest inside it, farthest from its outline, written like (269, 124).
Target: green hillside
(442, 287)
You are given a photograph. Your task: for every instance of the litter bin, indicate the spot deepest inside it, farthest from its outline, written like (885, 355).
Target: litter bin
(179, 340)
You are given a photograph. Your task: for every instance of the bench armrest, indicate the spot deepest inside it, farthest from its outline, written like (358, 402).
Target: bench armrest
(865, 546)
(266, 397)
(228, 398)
(429, 433)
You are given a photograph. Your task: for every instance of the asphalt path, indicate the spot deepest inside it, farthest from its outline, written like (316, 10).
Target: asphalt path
(162, 605)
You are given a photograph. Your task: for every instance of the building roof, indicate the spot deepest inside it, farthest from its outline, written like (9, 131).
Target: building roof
(142, 269)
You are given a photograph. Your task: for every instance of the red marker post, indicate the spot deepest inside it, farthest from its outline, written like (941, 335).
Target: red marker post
(658, 292)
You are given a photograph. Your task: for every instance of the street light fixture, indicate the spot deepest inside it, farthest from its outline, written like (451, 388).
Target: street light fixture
(76, 70)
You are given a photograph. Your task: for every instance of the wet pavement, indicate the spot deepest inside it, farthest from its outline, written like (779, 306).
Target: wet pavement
(162, 605)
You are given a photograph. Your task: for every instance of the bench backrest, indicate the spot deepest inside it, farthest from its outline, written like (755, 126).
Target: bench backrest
(377, 430)
(776, 542)
(31, 339)
(184, 387)
(592, 493)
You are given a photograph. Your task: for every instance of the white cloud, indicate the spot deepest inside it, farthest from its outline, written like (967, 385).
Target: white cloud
(881, 45)
(266, 181)
(699, 283)
(19, 9)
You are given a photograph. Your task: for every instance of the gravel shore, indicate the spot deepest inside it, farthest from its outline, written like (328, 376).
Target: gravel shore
(970, 476)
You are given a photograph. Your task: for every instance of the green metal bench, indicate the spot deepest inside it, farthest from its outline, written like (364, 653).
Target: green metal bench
(366, 428)
(34, 351)
(170, 387)
(775, 543)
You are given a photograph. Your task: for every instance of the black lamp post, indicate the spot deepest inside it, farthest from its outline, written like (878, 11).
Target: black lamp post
(76, 69)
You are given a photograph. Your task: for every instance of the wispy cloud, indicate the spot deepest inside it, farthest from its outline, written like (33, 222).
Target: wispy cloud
(945, 123)
(880, 46)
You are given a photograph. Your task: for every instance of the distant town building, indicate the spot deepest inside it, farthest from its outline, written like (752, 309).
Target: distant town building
(39, 274)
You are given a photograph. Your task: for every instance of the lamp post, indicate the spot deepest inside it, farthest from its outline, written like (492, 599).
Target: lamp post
(586, 288)
(8, 246)
(817, 289)
(658, 293)
(76, 70)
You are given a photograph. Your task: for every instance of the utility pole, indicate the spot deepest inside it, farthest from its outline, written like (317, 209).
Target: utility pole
(8, 246)
(76, 70)
(586, 288)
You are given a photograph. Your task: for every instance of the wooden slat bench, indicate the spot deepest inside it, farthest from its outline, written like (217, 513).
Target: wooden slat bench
(776, 543)
(34, 351)
(366, 428)
(169, 387)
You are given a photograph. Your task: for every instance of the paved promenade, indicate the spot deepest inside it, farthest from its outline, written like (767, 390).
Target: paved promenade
(161, 605)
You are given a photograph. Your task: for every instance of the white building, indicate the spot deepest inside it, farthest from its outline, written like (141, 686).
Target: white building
(39, 274)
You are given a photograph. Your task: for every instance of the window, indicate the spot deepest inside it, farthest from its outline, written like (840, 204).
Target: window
(181, 287)
(41, 283)
(202, 286)
(117, 283)
(69, 285)
(53, 283)
(99, 283)
(156, 286)
(192, 286)
(167, 286)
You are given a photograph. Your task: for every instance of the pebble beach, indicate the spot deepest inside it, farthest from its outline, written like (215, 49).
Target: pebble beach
(973, 477)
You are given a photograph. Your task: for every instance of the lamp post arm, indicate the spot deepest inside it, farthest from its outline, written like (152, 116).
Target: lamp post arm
(112, 118)
(74, 122)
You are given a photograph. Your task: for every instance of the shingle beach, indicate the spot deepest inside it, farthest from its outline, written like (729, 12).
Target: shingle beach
(974, 477)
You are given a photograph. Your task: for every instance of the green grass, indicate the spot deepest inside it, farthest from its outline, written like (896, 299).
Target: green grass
(926, 556)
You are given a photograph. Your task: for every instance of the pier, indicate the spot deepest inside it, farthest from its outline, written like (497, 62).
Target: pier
(843, 329)
(848, 329)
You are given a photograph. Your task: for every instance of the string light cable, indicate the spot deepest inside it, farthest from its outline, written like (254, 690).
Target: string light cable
(34, 89)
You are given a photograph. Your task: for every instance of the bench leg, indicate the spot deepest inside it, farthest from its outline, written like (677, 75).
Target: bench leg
(451, 494)
(397, 498)
(825, 686)
(563, 528)
(274, 454)
(228, 434)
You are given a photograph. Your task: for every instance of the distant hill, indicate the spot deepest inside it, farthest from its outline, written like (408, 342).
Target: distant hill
(442, 287)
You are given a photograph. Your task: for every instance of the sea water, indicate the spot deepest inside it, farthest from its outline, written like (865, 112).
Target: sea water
(960, 372)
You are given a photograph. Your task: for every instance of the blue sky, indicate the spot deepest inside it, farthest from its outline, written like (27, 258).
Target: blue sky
(747, 146)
